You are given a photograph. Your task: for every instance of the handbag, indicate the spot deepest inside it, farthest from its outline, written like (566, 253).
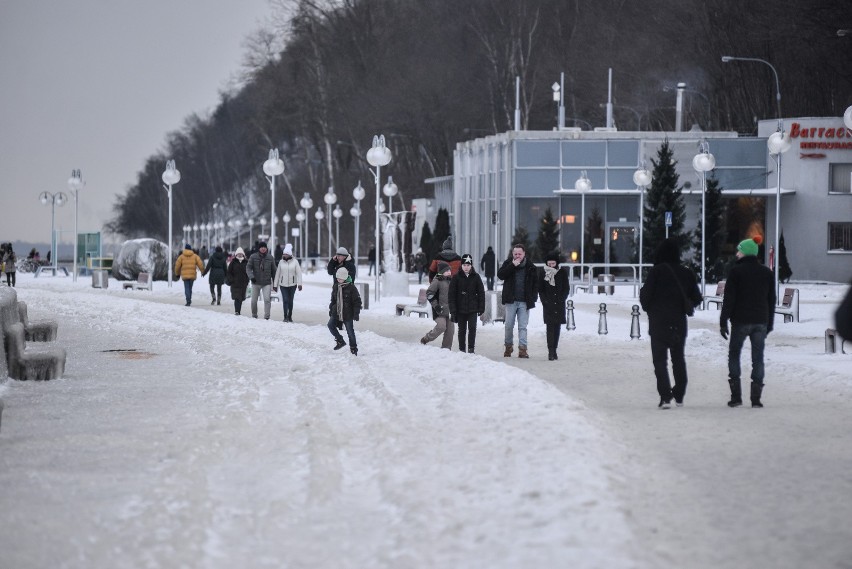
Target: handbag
(688, 307)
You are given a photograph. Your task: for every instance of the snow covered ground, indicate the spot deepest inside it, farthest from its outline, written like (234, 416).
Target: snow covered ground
(190, 437)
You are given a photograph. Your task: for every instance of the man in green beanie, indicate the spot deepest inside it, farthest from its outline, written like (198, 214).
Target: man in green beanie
(749, 304)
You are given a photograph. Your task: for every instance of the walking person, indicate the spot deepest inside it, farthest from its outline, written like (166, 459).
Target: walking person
(341, 258)
(217, 265)
(9, 262)
(445, 255)
(749, 303)
(343, 310)
(467, 302)
(371, 257)
(488, 264)
(553, 289)
(420, 264)
(438, 295)
(669, 295)
(261, 272)
(288, 277)
(186, 266)
(520, 291)
(238, 279)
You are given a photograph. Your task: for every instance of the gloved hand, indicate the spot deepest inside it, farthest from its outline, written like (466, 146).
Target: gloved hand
(300, 287)
(275, 289)
(253, 281)
(723, 330)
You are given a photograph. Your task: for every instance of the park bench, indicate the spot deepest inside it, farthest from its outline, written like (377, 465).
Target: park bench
(422, 308)
(789, 305)
(25, 362)
(717, 298)
(39, 330)
(142, 282)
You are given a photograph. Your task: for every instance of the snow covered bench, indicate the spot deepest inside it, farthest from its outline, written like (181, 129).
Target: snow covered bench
(717, 298)
(142, 282)
(422, 308)
(789, 305)
(39, 330)
(31, 363)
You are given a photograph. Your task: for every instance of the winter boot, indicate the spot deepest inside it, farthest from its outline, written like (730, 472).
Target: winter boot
(736, 393)
(470, 350)
(507, 353)
(756, 390)
(522, 352)
(354, 350)
(339, 344)
(212, 302)
(219, 300)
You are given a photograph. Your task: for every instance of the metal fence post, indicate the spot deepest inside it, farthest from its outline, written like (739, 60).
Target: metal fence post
(602, 319)
(634, 323)
(569, 320)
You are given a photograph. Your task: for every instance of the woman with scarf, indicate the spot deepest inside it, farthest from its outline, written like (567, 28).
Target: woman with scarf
(553, 289)
(237, 279)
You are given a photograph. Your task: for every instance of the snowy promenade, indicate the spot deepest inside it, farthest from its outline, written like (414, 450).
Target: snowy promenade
(224, 441)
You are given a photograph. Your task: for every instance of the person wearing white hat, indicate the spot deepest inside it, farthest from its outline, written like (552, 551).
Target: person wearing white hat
(288, 277)
(343, 310)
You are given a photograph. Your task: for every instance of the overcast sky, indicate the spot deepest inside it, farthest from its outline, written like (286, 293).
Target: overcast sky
(96, 85)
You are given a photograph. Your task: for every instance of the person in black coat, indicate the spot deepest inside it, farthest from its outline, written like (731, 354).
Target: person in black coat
(238, 279)
(749, 304)
(217, 265)
(553, 289)
(520, 291)
(488, 264)
(843, 317)
(344, 309)
(341, 258)
(668, 295)
(467, 301)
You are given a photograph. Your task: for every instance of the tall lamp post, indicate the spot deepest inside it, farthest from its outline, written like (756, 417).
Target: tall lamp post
(642, 178)
(57, 199)
(250, 223)
(262, 222)
(319, 215)
(171, 176)
(286, 219)
(728, 58)
(300, 217)
(338, 213)
(583, 185)
(307, 203)
(195, 235)
(778, 143)
(390, 190)
(75, 184)
(377, 156)
(273, 166)
(209, 227)
(358, 193)
(330, 198)
(703, 162)
(220, 226)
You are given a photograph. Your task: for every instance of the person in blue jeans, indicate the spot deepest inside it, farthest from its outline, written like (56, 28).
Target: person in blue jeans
(520, 291)
(344, 309)
(749, 304)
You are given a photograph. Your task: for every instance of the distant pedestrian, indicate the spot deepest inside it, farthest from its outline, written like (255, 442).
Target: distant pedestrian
(343, 310)
(261, 272)
(438, 295)
(9, 262)
(217, 265)
(186, 266)
(488, 266)
(288, 277)
(669, 295)
(467, 302)
(371, 257)
(843, 317)
(749, 303)
(553, 289)
(237, 279)
(420, 264)
(279, 252)
(520, 291)
(342, 258)
(445, 255)
(204, 254)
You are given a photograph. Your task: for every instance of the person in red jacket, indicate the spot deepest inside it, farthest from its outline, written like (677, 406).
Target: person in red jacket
(447, 255)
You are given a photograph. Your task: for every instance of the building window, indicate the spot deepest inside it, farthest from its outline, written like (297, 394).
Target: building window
(841, 179)
(840, 236)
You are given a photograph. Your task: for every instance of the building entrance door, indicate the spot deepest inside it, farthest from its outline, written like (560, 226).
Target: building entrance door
(622, 246)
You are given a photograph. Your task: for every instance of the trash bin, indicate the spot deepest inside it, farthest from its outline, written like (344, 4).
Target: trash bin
(100, 279)
(606, 278)
(364, 291)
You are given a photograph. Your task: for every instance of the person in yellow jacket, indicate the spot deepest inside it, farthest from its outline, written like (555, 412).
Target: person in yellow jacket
(185, 266)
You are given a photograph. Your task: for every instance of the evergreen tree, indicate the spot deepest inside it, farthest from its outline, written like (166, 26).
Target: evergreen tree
(784, 270)
(521, 236)
(442, 231)
(663, 195)
(426, 240)
(716, 213)
(547, 240)
(594, 230)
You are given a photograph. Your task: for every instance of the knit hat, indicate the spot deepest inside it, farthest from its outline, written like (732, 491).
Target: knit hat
(443, 267)
(262, 245)
(342, 251)
(288, 249)
(188, 246)
(554, 256)
(447, 244)
(341, 273)
(239, 252)
(467, 259)
(747, 247)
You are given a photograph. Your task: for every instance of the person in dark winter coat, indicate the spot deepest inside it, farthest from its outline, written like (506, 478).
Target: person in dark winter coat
(466, 297)
(553, 289)
(843, 317)
(520, 291)
(344, 309)
(342, 258)
(237, 279)
(419, 264)
(9, 260)
(488, 265)
(749, 303)
(667, 293)
(217, 265)
(446, 255)
(438, 295)
(371, 258)
(261, 273)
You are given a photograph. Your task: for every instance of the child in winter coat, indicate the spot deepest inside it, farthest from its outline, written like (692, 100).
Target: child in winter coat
(438, 295)
(467, 301)
(344, 309)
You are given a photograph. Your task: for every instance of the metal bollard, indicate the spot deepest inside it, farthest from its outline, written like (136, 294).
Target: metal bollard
(634, 324)
(602, 319)
(569, 321)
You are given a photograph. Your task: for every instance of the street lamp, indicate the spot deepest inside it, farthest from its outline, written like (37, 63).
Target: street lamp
(778, 143)
(250, 223)
(319, 215)
(57, 199)
(390, 190)
(286, 219)
(377, 156)
(262, 222)
(171, 176)
(238, 223)
(642, 178)
(75, 184)
(358, 193)
(330, 199)
(557, 96)
(273, 166)
(703, 162)
(219, 227)
(195, 235)
(728, 58)
(307, 203)
(338, 213)
(300, 217)
(847, 118)
(583, 185)
(209, 227)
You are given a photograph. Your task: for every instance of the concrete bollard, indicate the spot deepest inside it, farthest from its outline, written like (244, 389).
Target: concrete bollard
(634, 323)
(569, 320)
(602, 319)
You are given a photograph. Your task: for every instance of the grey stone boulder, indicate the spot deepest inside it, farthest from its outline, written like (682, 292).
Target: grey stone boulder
(141, 256)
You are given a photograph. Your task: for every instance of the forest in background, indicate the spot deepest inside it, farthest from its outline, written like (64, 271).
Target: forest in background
(325, 76)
